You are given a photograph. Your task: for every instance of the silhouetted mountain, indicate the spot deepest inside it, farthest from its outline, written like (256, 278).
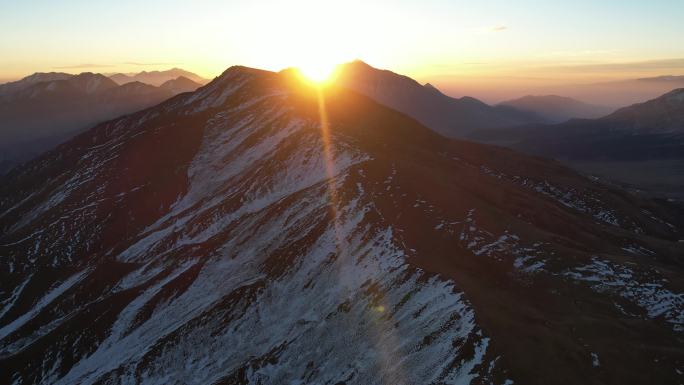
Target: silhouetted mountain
(180, 85)
(663, 115)
(556, 108)
(157, 78)
(37, 114)
(261, 231)
(650, 132)
(448, 116)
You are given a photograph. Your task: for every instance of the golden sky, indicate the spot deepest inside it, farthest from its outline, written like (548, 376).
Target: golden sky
(466, 43)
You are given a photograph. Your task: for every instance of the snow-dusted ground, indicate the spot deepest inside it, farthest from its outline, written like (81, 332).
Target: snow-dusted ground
(274, 265)
(290, 290)
(647, 291)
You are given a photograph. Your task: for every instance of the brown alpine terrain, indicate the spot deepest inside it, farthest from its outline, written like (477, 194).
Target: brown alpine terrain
(263, 231)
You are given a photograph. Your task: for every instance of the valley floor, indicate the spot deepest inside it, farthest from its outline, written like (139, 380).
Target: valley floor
(655, 178)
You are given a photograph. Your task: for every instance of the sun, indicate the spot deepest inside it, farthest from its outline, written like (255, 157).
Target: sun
(318, 71)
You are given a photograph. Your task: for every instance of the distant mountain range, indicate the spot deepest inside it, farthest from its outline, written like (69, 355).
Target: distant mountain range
(557, 109)
(451, 117)
(10, 88)
(157, 78)
(622, 92)
(43, 109)
(260, 231)
(649, 130)
(648, 133)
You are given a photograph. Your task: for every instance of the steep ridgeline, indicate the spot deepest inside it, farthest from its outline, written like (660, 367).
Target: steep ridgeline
(249, 233)
(42, 110)
(451, 117)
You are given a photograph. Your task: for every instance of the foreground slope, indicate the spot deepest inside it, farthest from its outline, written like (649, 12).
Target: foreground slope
(251, 233)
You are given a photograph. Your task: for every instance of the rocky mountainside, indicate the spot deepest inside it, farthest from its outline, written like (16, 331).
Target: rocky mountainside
(451, 117)
(259, 231)
(42, 110)
(557, 109)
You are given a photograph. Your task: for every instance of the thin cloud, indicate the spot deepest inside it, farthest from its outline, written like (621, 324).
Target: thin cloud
(83, 65)
(651, 65)
(134, 63)
(499, 28)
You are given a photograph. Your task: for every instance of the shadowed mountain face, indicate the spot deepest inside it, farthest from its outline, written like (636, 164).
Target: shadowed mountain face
(448, 116)
(259, 231)
(557, 109)
(647, 138)
(157, 78)
(42, 110)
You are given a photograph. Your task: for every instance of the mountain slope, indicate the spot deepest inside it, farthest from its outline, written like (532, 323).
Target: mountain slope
(157, 78)
(250, 233)
(556, 108)
(446, 115)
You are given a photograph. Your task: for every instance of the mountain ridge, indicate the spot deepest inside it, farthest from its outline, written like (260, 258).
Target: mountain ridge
(359, 247)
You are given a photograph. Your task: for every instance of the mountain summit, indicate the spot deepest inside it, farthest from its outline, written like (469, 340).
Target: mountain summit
(262, 231)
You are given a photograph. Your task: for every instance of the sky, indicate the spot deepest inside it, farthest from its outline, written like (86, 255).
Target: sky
(471, 44)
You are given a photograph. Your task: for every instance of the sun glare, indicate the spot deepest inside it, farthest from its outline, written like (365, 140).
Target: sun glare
(318, 72)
